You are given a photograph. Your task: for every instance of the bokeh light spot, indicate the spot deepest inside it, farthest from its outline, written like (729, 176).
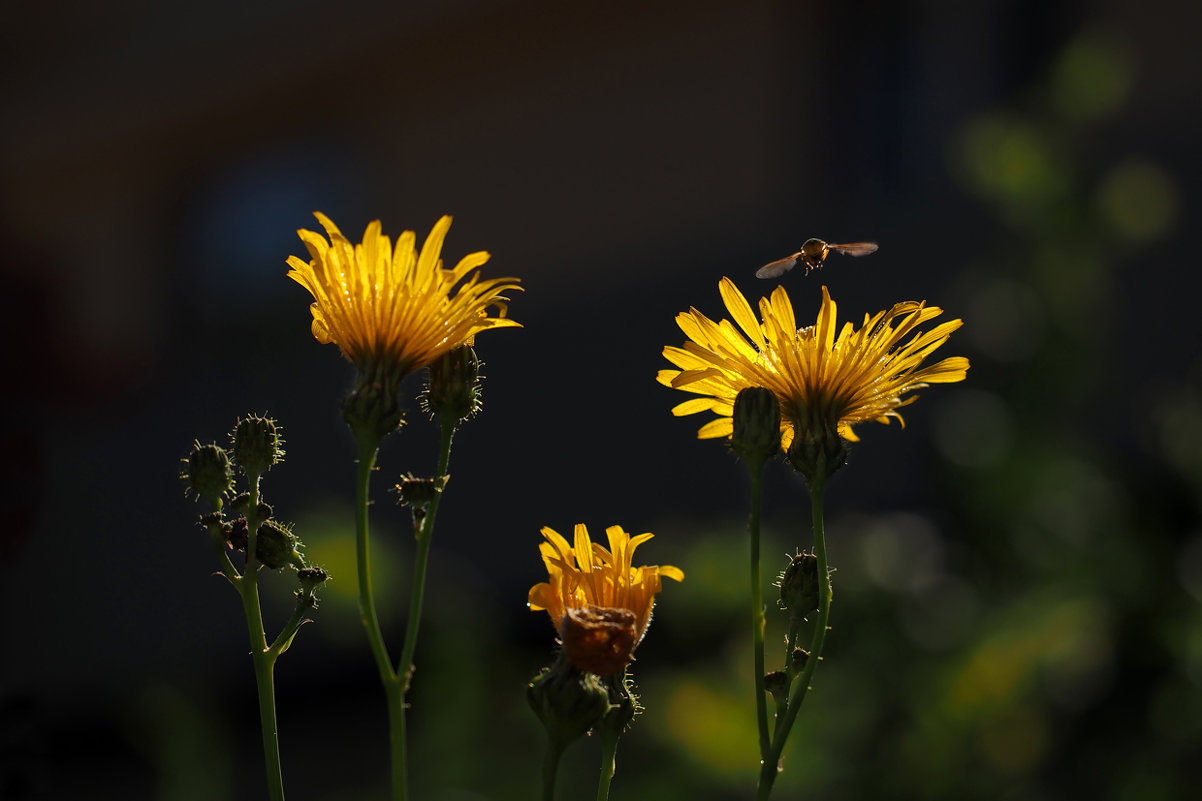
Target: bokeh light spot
(1092, 77)
(1007, 319)
(712, 726)
(901, 552)
(973, 428)
(1014, 743)
(941, 617)
(1011, 162)
(1073, 499)
(1075, 279)
(1178, 420)
(1138, 199)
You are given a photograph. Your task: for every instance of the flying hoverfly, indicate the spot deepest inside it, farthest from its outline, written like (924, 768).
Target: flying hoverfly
(812, 254)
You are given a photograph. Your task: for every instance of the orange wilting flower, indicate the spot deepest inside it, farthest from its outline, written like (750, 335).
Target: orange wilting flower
(824, 376)
(599, 602)
(393, 311)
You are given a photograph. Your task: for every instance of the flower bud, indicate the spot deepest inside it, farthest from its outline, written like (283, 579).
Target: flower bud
(599, 640)
(312, 577)
(623, 705)
(567, 701)
(209, 472)
(257, 444)
(236, 536)
(817, 451)
(453, 387)
(241, 503)
(418, 493)
(277, 547)
(776, 684)
(756, 418)
(218, 529)
(371, 410)
(799, 585)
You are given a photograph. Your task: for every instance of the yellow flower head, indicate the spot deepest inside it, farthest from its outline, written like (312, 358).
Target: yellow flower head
(822, 375)
(588, 577)
(392, 312)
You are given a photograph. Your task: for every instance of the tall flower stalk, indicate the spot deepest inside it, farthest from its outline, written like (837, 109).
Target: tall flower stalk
(266, 543)
(393, 311)
(775, 386)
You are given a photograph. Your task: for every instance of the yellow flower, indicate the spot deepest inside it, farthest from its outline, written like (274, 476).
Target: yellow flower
(590, 578)
(392, 312)
(822, 375)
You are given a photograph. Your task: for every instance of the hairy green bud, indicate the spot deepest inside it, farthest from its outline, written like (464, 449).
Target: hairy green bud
(312, 577)
(372, 410)
(756, 418)
(277, 547)
(258, 444)
(777, 684)
(209, 473)
(623, 704)
(799, 585)
(568, 701)
(419, 493)
(817, 451)
(453, 388)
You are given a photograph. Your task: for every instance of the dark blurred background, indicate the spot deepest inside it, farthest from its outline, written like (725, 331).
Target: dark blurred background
(1019, 570)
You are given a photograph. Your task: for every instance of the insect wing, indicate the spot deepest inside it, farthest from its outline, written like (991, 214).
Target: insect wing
(775, 269)
(854, 248)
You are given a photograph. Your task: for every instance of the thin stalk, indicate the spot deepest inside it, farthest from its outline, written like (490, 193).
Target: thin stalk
(219, 546)
(555, 747)
(425, 533)
(283, 641)
(371, 621)
(609, 750)
(265, 683)
(403, 674)
(396, 680)
(264, 660)
(769, 768)
(756, 473)
(367, 601)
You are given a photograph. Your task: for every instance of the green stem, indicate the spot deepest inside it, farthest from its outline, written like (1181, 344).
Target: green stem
(425, 532)
(756, 473)
(555, 747)
(367, 601)
(770, 767)
(368, 447)
(265, 683)
(304, 602)
(791, 644)
(263, 658)
(609, 750)
(219, 546)
(398, 770)
(396, 680)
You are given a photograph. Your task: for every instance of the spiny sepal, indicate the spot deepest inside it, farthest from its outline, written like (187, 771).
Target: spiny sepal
(756, 419)
(209, 473)
(453, 390)
(568, 701)
(372, 410)
(258, 444)
(817, 450)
